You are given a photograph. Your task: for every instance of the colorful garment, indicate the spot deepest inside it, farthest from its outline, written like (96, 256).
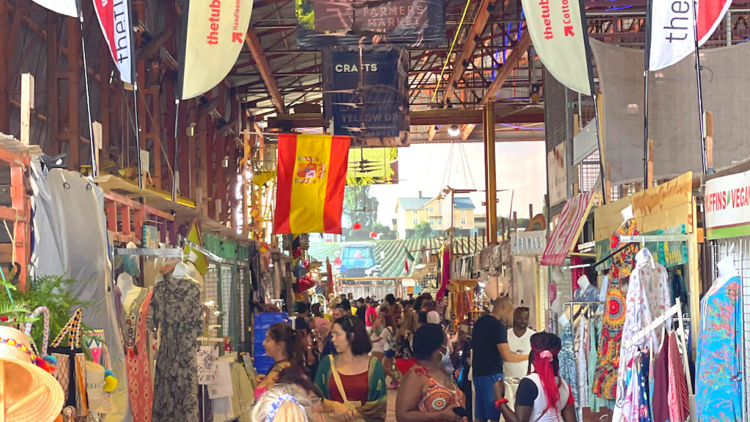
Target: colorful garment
(377, 401)
(135, 337)
(582, 368)
(648, 297)
(567, 358)
(437, 397)
(718, 388)
(608, 353)
(679, 405)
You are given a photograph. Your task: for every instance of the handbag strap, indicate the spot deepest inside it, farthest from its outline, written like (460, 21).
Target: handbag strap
(72, 329)
(40, 310)
(106, 361)
(337, 378)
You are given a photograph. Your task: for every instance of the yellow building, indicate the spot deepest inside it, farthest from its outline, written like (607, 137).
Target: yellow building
(411, 211)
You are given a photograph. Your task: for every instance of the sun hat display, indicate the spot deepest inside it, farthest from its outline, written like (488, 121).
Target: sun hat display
(31, 394)
(98, 397)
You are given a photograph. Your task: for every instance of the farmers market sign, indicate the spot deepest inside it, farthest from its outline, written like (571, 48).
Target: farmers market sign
(727, 204)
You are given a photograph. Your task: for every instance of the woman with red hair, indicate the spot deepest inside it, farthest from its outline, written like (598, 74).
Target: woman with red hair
(542, 396)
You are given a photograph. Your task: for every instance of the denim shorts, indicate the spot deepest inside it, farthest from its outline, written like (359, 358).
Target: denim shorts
(484, 399)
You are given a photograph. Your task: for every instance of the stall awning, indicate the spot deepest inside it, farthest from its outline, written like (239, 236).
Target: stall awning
(567, 230)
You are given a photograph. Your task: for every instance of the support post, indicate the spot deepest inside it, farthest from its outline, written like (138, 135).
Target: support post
(650, 165)
(27, 103)
(74, 135)
(710, 141)
(489, 171)
(5, 59)
(52, 147)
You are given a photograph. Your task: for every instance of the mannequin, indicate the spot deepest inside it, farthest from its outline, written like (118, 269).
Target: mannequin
(627, 213)
(130, 291)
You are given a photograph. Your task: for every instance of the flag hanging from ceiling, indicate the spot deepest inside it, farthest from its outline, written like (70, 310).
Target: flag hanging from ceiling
(710, 14)
(311, 179)
(114, 19)
(409, 261)
(671, 33)
(213, 33)
(558, 34)
(63, 7)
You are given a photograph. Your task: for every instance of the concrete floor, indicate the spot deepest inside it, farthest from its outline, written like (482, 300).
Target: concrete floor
(391, 415)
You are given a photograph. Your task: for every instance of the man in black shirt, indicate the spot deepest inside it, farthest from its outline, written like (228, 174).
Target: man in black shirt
(301, 324)
(361, 309)
(489, 349)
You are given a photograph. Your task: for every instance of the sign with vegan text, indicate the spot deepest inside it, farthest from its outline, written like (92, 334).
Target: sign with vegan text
(557, 176)
(347, 22)
(559, 37)
(212, 37)
(727, 206)
(528, 243)
(367, 96)
(114, 19)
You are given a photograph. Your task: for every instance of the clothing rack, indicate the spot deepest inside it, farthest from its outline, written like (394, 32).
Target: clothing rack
(635, 239)
(581, 303)
(655, 324)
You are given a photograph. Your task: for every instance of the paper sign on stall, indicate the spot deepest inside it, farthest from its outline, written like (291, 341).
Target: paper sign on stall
(223, 386)
(207, 365)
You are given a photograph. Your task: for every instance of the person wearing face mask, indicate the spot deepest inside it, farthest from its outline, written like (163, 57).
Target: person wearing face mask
(427, 393)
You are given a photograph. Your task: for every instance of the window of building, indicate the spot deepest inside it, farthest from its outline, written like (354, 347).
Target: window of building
(416, 221)
(413, 211)
(432, 209)
(440, 221)
(463, 211)
(432, 221)
(463, 221)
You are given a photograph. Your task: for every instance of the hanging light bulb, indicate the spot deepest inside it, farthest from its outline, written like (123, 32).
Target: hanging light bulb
(454, 130)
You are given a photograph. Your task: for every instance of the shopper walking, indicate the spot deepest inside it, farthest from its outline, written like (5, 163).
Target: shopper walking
(287, 347)
(361, 309)
(371, 315)
(352, 382)
(283, 403)
(543, 396)
(519, 341)
(404, 355)
(387, 338)
(489, 350)
(427, 393)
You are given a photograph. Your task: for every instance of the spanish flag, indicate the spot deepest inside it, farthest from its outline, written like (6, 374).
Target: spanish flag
(311, 179)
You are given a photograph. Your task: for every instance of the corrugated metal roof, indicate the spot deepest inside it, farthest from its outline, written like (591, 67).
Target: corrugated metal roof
(463, 203)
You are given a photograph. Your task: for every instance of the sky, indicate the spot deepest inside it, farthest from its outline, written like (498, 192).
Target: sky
(520, 168)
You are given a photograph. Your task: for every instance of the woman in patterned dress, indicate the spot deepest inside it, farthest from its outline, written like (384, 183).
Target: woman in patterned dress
(427, 393)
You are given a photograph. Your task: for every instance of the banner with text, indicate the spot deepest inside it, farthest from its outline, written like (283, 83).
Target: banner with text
(367, 99)
(528, 243)
(213, 35)
(114, 19)
(63, 7)
(349, 22)
(559, 38)
(727, 204)
(672, 32)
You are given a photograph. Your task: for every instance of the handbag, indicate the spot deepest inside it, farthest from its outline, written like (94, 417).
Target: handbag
(27, 329)
(352, 405)
(71, 364)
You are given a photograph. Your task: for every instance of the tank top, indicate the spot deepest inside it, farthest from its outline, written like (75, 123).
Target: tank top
(540, 412)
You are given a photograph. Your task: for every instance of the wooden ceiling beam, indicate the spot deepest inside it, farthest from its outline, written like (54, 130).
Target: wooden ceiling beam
(265, 71)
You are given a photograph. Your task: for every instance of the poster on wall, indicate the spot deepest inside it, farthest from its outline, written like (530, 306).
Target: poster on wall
(727, 206)
(347, 23)
(557, 176)
(367, 97)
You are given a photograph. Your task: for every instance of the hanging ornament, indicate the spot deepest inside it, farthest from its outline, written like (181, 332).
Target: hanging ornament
(357, 226)
(373, 235)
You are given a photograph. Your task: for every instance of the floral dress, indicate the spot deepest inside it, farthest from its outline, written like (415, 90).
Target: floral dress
(718, 385)
(176, 311)
(608, 353)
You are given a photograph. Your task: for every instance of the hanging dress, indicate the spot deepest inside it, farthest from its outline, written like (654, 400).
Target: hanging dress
(718, 385)
(608, 353)
(135, 335)
(176, 311)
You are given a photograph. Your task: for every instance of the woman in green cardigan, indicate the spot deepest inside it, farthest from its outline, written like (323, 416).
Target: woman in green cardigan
(353, 383)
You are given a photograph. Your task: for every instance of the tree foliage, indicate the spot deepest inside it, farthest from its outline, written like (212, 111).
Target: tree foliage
(357, 199)
(422, 230)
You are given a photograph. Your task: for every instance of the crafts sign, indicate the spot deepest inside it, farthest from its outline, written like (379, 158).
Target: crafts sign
(368, 96)
(528, 243)
(727, 204)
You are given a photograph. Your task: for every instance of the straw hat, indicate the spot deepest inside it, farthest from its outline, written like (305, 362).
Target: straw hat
(98, 398)
(31, 393)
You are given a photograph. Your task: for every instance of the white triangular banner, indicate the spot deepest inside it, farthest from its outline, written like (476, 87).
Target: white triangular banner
(63, 7)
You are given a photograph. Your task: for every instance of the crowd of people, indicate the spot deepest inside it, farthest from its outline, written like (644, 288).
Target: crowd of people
(338, 366)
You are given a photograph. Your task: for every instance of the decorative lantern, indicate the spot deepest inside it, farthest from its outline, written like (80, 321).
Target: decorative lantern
(357, 226)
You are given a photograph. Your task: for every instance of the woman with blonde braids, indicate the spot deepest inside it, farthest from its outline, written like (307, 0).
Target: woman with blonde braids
(542, 396)
(283, 403)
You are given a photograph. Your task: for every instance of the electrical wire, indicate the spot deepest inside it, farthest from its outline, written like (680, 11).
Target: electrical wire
(453, 44)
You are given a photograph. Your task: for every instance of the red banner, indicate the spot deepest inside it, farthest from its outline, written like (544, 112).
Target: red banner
(114, 19)
(710, 14)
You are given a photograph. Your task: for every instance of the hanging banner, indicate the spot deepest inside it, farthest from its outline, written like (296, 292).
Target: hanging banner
(567, 229)
(347, 23)
(528, 243)
(727, 205)
(63, 7)
(557, 175)
(560, 38)
(114, 19)
(311, 180)
(213, 35)
(710, 15)
(672, 33)
(367, 99)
